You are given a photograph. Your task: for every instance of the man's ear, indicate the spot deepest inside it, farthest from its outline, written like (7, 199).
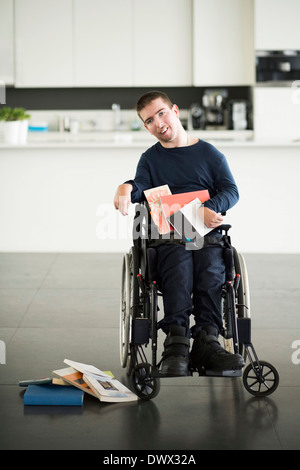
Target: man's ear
(175, 109)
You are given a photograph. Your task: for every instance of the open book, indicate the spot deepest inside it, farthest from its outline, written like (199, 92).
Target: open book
(97, 383)
(71, 376)
(109, 389)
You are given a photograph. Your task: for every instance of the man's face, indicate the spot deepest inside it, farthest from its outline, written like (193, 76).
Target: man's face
(160, 120)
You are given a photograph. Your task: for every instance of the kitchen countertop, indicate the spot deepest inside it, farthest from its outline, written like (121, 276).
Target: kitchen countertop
(139, 139)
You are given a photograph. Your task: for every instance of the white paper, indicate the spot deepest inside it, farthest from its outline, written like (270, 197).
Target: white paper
(190, 212)
(86, 368)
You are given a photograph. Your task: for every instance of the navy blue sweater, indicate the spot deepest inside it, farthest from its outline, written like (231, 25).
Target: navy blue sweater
(184, 169)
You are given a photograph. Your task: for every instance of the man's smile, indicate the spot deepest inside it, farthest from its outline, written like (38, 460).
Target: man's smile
(164, 130)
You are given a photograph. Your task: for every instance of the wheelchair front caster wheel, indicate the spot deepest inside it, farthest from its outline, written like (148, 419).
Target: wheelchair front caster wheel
(145, 386)
(260, 379)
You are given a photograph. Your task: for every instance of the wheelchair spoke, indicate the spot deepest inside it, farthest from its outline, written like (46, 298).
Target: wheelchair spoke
(260, 379)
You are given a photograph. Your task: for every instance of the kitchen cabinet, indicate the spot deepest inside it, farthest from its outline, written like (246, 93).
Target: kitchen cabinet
(103, 44)
(103, 48)
(126, 43)
(132, 43)
(162, 41)
(277, 24)
(43, 42)
(223, 43)
(6, 42)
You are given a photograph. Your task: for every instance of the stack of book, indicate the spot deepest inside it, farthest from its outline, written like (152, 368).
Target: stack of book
(179, 212)
(69, 385)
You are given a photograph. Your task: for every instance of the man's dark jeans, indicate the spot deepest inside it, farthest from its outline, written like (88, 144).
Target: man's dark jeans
(191, 282)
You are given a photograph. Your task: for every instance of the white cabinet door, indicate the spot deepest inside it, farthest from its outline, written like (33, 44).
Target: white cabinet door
(277, 24)
(103, 52)
(43, 35)
(223, 42)
(162, 43)
(6, 42)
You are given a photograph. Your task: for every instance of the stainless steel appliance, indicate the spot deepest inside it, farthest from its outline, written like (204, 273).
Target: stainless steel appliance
(213, 101)
(277, 66)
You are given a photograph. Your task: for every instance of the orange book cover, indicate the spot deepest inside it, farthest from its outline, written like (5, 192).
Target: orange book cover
(73, 377)
(173, 202)
(153, 197)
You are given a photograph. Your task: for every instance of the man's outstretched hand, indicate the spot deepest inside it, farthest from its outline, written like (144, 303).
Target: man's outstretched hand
(122, 198)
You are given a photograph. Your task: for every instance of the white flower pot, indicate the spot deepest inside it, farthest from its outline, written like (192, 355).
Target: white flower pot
(15, 132)
(11, 132)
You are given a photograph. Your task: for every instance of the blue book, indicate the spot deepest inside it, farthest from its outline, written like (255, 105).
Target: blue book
(53, 395)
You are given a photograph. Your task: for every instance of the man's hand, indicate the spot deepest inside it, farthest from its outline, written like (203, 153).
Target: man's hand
(122, 198)
(210, 217)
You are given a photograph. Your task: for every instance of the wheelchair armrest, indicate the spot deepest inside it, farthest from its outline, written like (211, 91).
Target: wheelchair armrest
(224, 227)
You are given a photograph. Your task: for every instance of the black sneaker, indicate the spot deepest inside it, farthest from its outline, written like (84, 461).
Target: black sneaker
(175, 358)
(208, 354)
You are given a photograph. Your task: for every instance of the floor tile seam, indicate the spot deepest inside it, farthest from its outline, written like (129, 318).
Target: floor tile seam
(35, 293)
(49, 268)
(273, 422)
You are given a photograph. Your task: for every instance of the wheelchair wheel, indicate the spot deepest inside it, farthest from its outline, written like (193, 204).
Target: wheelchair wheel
(145, 386)
(243, 289)
(260, 379)
(128, 302)
(243, 294)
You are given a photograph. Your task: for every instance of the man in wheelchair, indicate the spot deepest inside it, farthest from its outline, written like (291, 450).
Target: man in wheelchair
(191, 280)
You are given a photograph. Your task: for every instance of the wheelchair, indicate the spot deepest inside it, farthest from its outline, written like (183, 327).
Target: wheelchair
(139, 307)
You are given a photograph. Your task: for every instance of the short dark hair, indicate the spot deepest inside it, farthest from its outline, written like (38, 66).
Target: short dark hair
(150, 96)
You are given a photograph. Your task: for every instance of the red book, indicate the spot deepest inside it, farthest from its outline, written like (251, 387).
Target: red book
(173, 202)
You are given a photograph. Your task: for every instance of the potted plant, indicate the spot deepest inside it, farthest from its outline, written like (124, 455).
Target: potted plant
(15, 124)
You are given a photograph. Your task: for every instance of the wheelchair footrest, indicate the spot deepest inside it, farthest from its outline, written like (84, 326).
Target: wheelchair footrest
(222, 373)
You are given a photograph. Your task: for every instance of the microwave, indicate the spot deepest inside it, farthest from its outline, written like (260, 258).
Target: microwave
(277, 66)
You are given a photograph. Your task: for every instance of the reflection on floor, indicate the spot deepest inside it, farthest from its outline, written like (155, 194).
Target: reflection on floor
(57, 306)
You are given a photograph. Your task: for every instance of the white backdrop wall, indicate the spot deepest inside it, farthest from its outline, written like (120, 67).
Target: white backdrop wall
(61, 200)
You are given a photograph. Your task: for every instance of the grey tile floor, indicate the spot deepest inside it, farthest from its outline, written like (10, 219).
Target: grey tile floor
(57, 306)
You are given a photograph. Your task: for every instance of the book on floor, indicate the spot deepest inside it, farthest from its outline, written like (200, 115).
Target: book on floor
(52, 395)
(86, 368)
(43, 381)
(109, 389)
(187, 221)
(71, 376)
(96, 382)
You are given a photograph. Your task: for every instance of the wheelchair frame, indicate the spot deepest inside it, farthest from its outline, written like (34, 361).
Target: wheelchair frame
(139, 313)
